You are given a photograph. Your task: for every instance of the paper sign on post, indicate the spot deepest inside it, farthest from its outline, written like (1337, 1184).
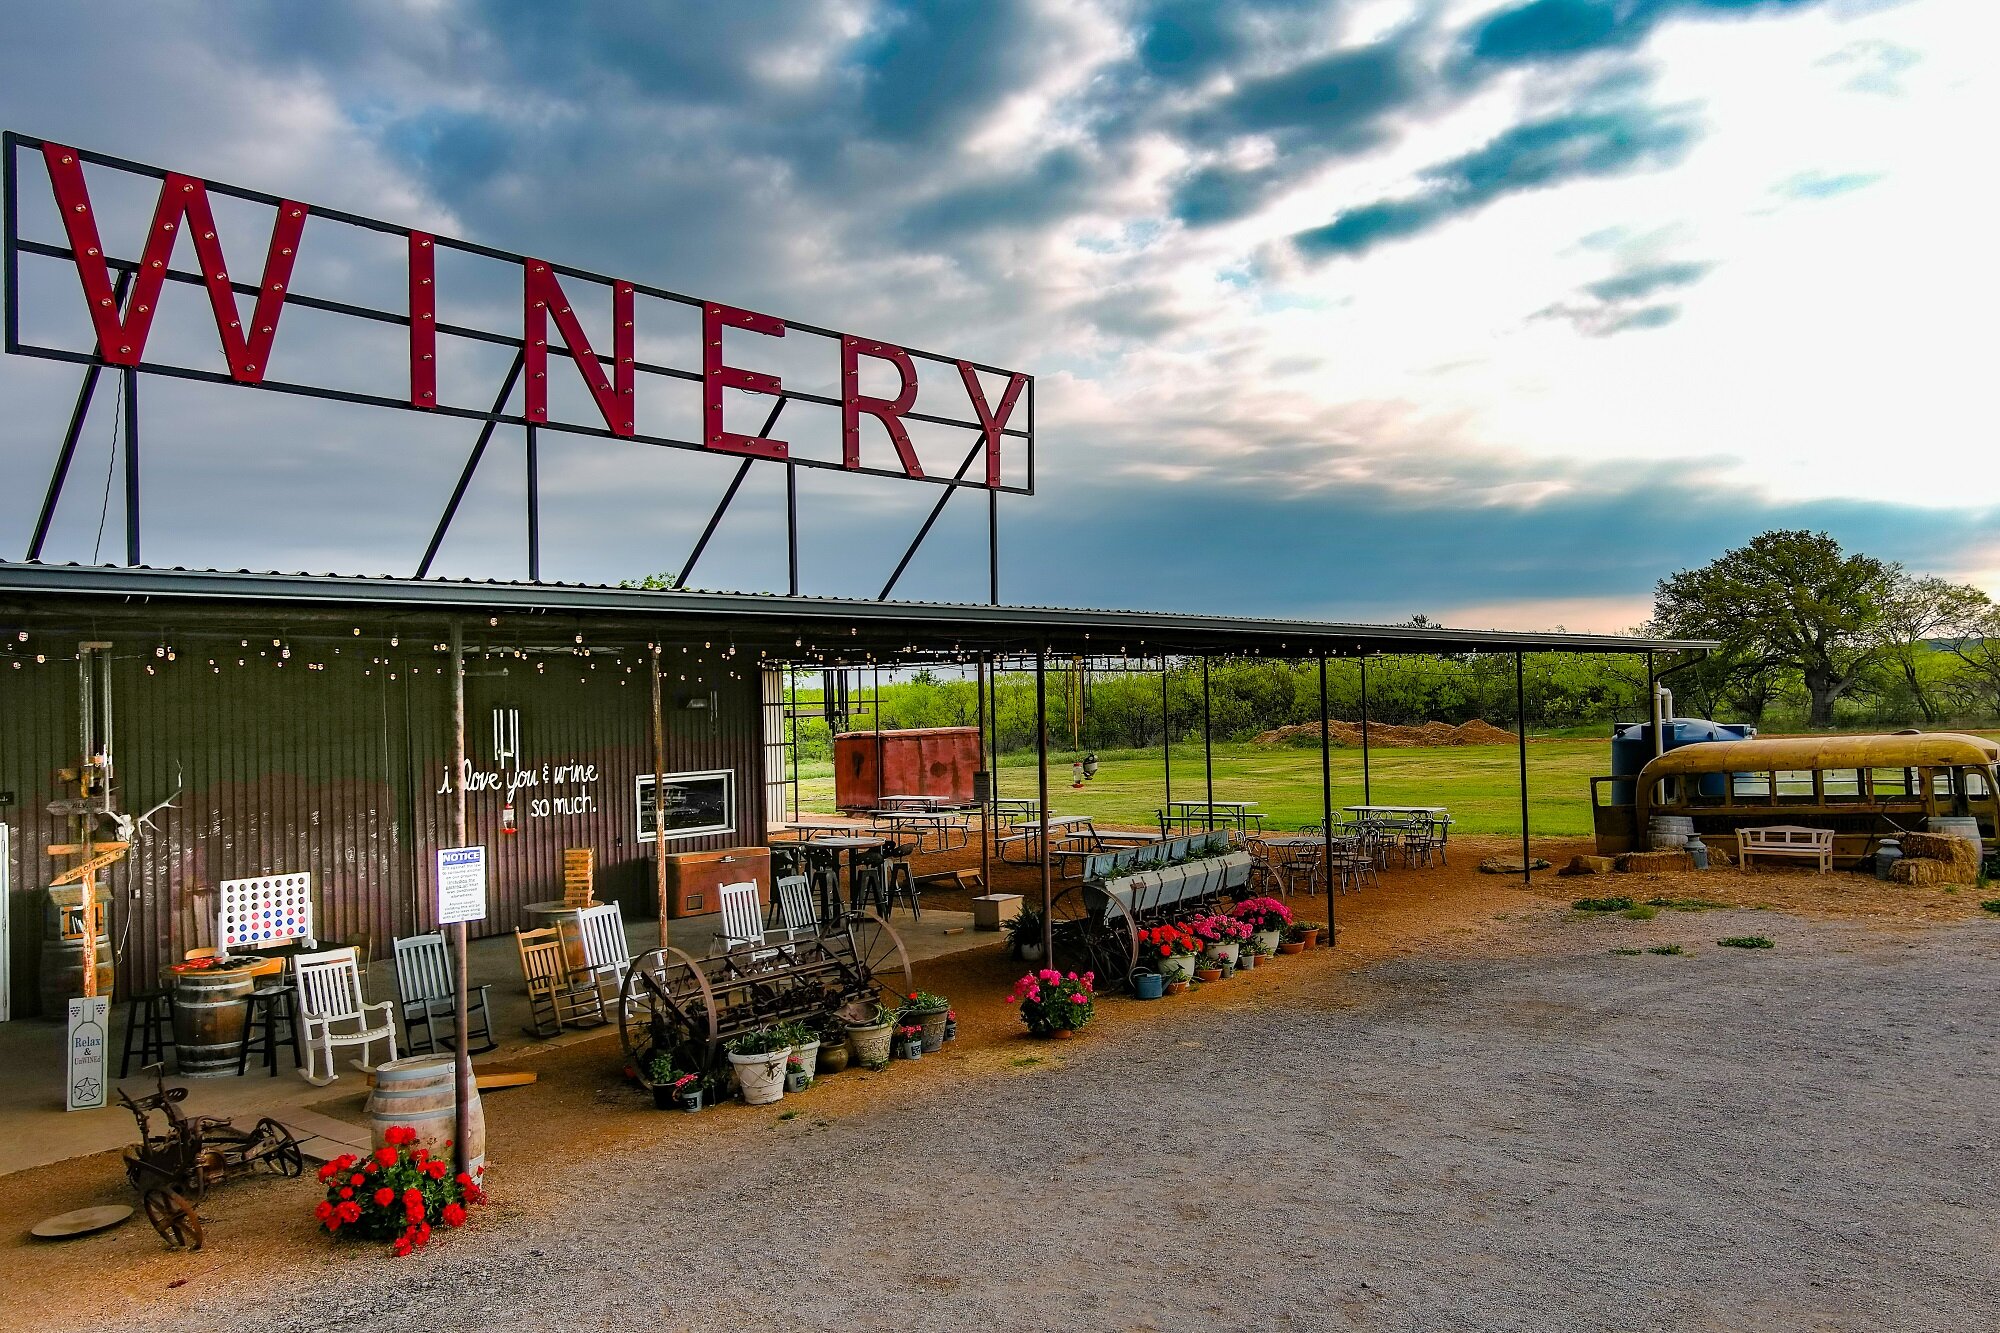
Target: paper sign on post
(87, 1020)
(461, 882)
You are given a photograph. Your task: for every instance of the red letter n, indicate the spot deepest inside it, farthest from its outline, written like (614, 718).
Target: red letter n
(543, 296)
(889, 411)
(121, 339)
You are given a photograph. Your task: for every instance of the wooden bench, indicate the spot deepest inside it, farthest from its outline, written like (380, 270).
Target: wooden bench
(1786, 840)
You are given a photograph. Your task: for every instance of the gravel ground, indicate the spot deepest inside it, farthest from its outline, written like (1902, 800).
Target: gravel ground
(1795, 1138)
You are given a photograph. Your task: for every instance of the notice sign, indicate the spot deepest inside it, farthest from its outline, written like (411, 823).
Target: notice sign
(461, 884)
(88, 1018)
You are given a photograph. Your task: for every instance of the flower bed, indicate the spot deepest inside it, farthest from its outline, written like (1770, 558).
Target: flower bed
(1055, 1003)
(395, 1193)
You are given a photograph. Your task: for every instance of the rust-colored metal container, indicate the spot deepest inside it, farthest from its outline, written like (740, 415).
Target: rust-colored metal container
(918, 761)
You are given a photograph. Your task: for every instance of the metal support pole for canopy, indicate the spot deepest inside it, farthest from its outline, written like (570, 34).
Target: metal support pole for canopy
(461, 1057)
(1207, 745)
(792, 527)
(1521, 744)
(1326, 803)
(1367, 796)
(993, 547)
(660, 800)
(534, 508)
(1042, 792)
(1166, 751)
(986, 802)
(131, 379)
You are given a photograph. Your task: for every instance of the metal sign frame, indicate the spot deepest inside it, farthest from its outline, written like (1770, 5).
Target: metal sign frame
(121, 295)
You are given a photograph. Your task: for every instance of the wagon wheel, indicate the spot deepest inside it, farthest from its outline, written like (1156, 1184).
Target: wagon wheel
(666, 1001)
(1086, 940)
(881, 966)
(273, 1147)
(174, 1218)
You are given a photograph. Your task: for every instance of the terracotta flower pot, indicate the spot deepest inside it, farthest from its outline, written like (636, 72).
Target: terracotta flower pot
(1292, 946)
(1177, 987)
(1310, 940)
(1208, 974)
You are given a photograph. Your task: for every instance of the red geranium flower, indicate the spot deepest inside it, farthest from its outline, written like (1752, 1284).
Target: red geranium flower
(386, 1156)
(454, 1215)
(384, 1197)
(346, 1191)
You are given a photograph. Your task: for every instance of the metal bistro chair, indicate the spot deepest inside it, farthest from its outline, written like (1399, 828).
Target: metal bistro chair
(329, 989)
(425, 992)
(900, 881)
(555, 995)
(1419, 840)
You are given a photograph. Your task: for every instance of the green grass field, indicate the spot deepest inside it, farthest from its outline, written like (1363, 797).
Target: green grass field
(1480, 783)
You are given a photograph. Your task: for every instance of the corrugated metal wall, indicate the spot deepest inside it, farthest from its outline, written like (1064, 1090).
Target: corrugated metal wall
(338, 772)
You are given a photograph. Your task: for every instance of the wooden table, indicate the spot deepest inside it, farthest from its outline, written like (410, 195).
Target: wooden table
(853, 846)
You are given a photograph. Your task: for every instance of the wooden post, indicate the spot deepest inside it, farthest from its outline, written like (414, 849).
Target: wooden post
(462, 1090)
(660, 797)
(1042, 788)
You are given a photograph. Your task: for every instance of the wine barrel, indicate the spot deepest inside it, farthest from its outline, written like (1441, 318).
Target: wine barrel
(418, 1091)
(62, 973)
(1668, 833)
(209, 1011)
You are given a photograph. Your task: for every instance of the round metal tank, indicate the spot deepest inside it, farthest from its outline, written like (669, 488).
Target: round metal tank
(1632, 748)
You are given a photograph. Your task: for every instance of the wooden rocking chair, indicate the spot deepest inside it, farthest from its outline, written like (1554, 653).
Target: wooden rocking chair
(555, 994)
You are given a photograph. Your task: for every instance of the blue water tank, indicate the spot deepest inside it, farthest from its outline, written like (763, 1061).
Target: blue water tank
(1632, 750)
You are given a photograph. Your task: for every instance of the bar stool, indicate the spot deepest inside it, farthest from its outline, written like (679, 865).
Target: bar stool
(822, 868)
(899, 881)
(870, 880)
(270, 1021)
(150, 1018)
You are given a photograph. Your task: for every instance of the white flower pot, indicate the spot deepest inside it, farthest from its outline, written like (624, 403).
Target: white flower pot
(1180, 967)
(761, 1077)
(1267, 941)
(808, 1055)
(1224, 954)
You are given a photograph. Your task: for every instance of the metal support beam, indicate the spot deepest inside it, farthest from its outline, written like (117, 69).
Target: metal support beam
(986, 807)
(1367, 797)
(792, 526)
(471, 466)
(1521, 744)
(1166, 751)
(1207, 745)
(993, 547)
(931, 522)
(131, 382)
(67, 454)
(1042, 789)
(534, 508)
(660, 800)
(728, 497)
(1326, 804)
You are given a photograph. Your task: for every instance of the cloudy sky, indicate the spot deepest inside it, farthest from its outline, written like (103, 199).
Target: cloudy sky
(1493, 311)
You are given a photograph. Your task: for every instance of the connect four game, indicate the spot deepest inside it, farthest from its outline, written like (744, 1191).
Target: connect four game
(265, 912)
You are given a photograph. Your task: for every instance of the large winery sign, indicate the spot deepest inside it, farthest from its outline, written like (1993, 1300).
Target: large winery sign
(124, 278)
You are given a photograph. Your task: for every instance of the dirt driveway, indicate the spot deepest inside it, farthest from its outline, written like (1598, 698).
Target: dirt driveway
(1530, 1133)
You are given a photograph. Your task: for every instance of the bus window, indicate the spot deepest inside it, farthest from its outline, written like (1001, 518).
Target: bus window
(1841, 785)
(1795, 786)
(1892, 784)
(1753, 786)
(1976, 786)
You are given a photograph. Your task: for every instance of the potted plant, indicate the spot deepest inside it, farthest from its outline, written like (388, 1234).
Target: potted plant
(805, 1045)
(396, 1192)
(758, 1057)
(1309, 932)
(1267, 919)
(797, 1077)
(690, 1092)
(1055, 1004)
(833, 1051)
(1221, 936)
(1176, 987)
(928, 1012)
(1172, 949)
(870, 1030)
(1300, 936)
(951, 1025)
(909, 1042)
(660, 1075)
(1228, 969)
(1024, 935)
(1208, 970)
(1148, 984)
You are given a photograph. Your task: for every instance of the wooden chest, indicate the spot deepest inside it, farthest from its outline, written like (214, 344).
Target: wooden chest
(695, 879)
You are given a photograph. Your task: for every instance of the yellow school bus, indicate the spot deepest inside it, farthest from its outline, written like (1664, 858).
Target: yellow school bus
(1864, 788)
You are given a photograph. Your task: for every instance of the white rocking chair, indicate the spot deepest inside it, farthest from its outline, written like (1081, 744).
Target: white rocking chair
(329, 986)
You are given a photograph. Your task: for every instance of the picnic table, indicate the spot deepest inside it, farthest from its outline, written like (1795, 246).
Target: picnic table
(1241, 815)
(937, 824)
(1016, 808)
(1028, 835)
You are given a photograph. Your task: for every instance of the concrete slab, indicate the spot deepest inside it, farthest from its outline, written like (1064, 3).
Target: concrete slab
(35, 1130)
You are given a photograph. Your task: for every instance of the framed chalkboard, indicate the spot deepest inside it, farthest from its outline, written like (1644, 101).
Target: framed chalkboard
(692, 804)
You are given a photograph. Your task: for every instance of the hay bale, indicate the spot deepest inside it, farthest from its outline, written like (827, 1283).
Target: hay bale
(1642, 863)
(1945, 849)
(1589, 865)
(1912, 870)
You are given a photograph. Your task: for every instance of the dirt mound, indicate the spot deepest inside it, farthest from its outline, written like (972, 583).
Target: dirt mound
(1423, 736)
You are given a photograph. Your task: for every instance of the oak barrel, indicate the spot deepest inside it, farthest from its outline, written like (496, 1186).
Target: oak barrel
(62, 973)
(210, 1007)
(417, 1091)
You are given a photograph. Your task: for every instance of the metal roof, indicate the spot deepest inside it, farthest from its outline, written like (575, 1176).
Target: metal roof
(879, 627)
